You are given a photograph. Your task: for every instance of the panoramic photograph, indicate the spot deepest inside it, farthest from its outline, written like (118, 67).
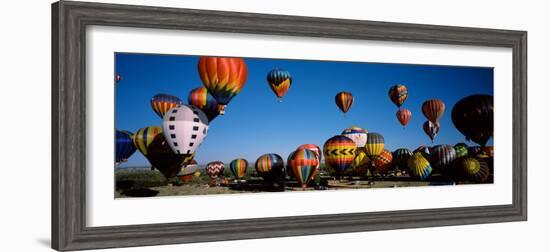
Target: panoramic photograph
(199, 125)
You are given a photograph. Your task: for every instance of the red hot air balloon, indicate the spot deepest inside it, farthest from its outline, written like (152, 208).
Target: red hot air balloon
(433, 109)
(398, 94)
(383, 163)
(403, 116)
(431, 129)
(344, 100)
(223, 77)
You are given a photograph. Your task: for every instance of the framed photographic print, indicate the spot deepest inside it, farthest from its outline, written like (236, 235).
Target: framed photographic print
(177, 125)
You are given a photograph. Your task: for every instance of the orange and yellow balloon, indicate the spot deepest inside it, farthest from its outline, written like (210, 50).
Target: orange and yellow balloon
(279, 80)
(344, 101)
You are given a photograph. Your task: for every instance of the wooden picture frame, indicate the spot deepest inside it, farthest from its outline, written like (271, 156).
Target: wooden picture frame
(69, 20)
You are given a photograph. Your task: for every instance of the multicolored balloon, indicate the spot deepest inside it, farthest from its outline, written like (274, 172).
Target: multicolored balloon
(215, 168)
(374, 145)
(145, 136)
(424, 150)
(238, 167)
(401, 157)
(473, 169)
(361, 162)
(311, 147)
(185, 127)
(383, 163)
(358, 135)
(161, 157)
(223, 77)
(187, 172)
(164, 102)
(344, 100)
(303, 164)
(403, 116)
(200, 98)
(473, 117)
(461, 151)
(398, 94)
(124, 145)
(288, 170)
(489, 151)
(271, 167)
(339, 153)
(431, 129)
(442, 157)
(279, 80)
(433, 110)
(419, 167)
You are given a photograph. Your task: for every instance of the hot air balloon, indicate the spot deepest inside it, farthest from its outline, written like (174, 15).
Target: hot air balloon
(374, 145)
(185, 127)
(358, 135)
(288, 170)
(433, 109)
(383, 163)
(361, 162)
(473, 169)
(271, 167)
(316, 150)
(431, 129)
(339, 153)
(473, 117)
(200, 98)
(118, 78)
(215, 168)
(164, 102)
(461, 151)
(124, 147)
(223, 77)
(303, 164)
(398, 94)
(403, 116)
(424, 150)
(187, 172)
(145, 136)
(401, 157)
(474, 150)
(279, 80)
(419, 167)
(488, 150)
(161, 157)
(344, 100)
(442, 157)
(238, 167)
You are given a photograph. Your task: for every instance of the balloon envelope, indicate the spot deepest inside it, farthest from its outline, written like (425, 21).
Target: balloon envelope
(124, 147)
(419, 167)
(431, 129)
(358, 135)
(374, 145)
(145, 136)
(279, 81)
(339, 153)
(215, 168)
(223, 77)
(185, 127)
(200, 98)
(164, 102)
(433, 109)
(162, 158)
(403, 116)
(238, 167)
(401, 157)
(473, 117)
(442, 157)
(303, 164)
(398, 94)
(270, 166)
(383, 163)
(344, 100)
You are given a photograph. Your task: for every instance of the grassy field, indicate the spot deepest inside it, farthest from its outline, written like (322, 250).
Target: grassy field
(150, 183)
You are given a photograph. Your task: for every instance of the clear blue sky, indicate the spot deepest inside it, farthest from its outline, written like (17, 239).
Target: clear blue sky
(255, 123)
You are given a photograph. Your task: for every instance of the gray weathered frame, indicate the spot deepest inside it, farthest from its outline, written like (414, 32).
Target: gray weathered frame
(69, 20)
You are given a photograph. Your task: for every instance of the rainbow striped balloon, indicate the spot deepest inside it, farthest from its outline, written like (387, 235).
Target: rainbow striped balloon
(303, 163)
(270, 166)
(238, 167)
(145, 136)
(223, 77)
(419, 167)
(200, 98)
(339, 153)
(161, 103)
(344, 100)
